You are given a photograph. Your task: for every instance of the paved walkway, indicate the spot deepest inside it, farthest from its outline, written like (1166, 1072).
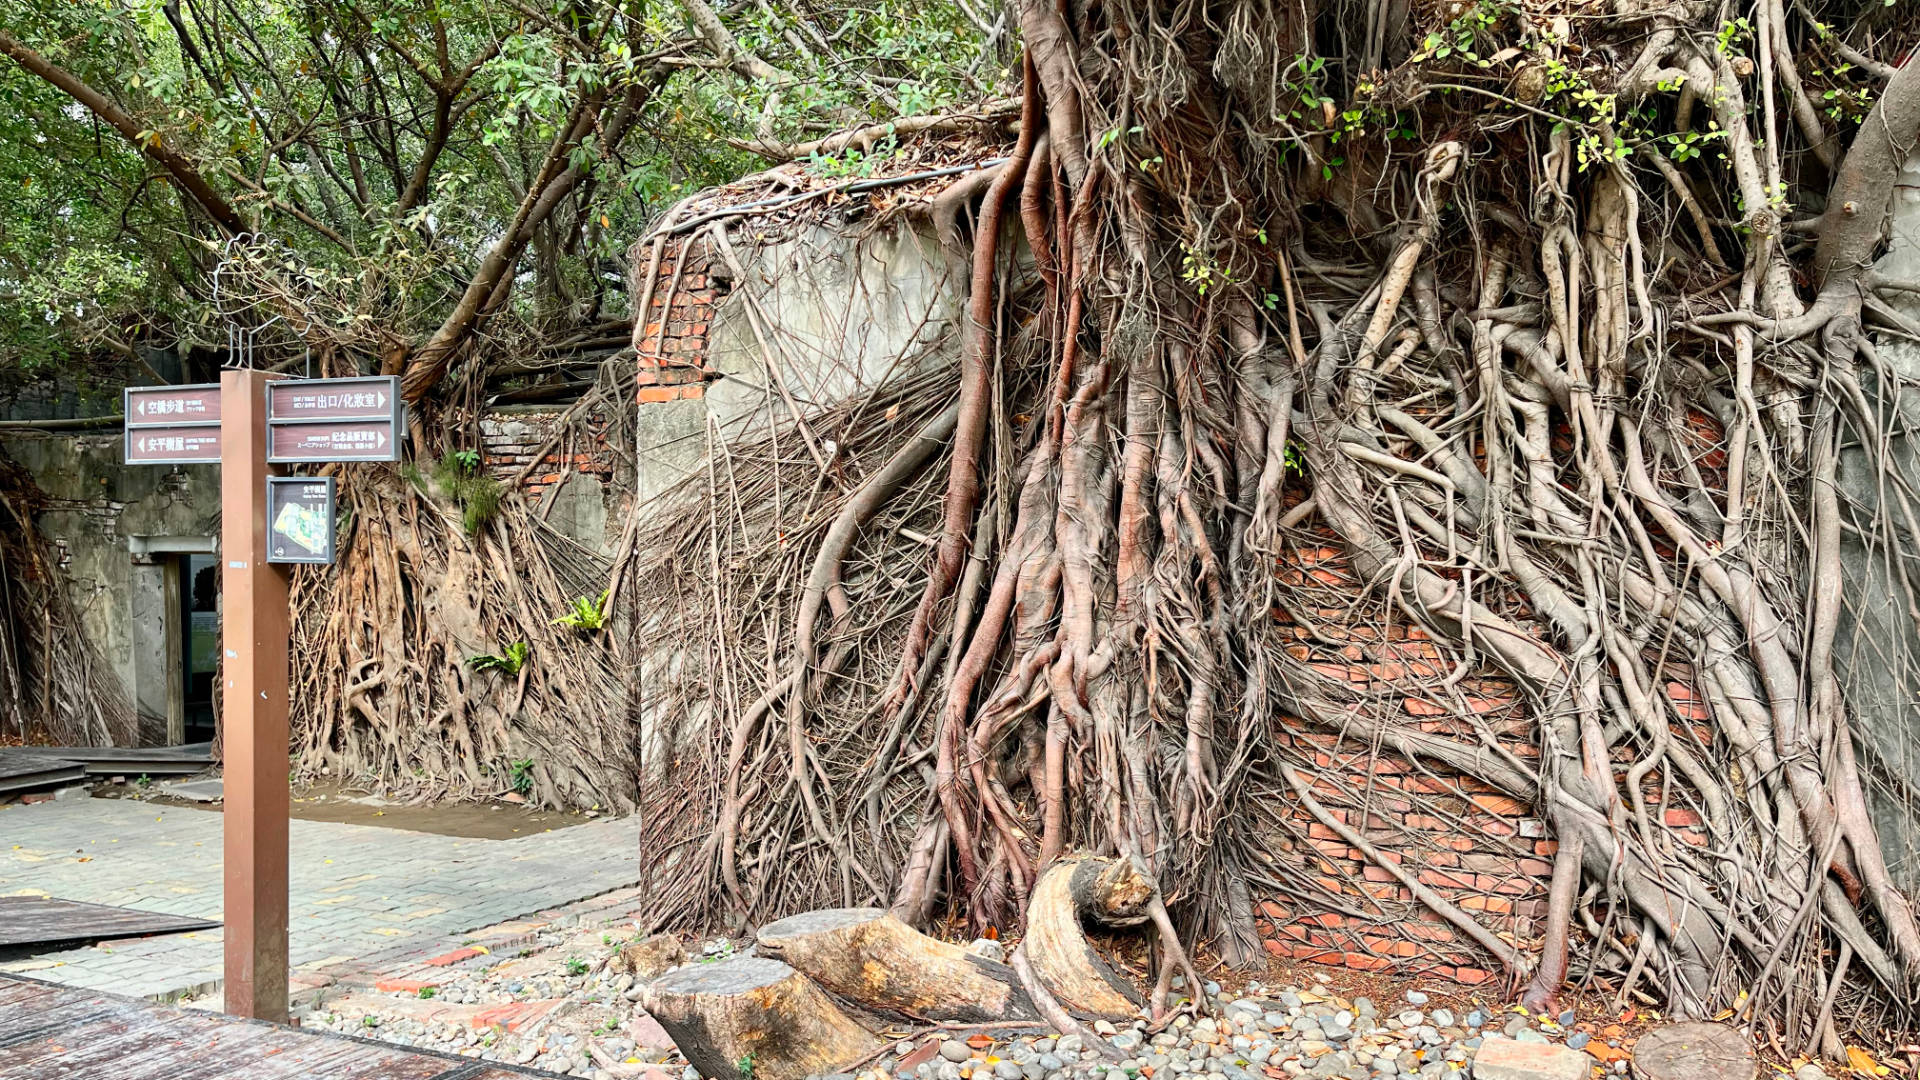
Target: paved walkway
(356, 891)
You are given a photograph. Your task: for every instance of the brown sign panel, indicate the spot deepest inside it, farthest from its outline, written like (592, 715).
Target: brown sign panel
(190, 444)
(373, 398)
(333, 440)
(172, 406)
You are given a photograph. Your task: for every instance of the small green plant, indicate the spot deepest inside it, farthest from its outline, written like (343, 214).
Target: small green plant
(1296, 459)
(370, 1020)
(458, 477)
(586, 614)
(576, 966)
(853, 163)
(745, 1066)
(427, 992)
(143, 781)
(509, 661)
(520, 773)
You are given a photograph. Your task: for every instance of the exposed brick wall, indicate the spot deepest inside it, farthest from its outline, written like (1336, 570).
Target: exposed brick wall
(1489, 854)
(509, 442)
(672, 343)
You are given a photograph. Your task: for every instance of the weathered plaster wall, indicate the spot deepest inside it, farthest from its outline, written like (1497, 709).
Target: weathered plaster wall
(99, 515)
(838, 310)
(1878, 640)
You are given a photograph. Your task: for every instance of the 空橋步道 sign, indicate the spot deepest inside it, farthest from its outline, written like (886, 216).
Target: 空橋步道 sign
(357, 419)
(173, 425)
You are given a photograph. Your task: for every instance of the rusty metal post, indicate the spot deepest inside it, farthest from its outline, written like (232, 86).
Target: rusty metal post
(253, 730)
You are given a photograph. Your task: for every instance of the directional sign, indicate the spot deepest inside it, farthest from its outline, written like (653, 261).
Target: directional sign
(300, 519)
(153, 406)
(183, 445)
(333, 440)
(172, 425)
(357, 419)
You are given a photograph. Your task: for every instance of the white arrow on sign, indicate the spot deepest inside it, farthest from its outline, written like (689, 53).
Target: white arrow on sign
(143, 408)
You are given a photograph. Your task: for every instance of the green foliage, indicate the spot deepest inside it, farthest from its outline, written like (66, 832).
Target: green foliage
(323, 126)
(427, 991)
(745, 1066)
(520, 774)
(853, 164)
(576, 966)
(509, 661)
(458, 477)
(586, 614)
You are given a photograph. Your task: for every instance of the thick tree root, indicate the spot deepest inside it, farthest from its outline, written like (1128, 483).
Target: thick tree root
(874, 960)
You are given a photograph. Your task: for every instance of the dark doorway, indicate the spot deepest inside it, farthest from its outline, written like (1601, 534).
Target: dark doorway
(200, 641)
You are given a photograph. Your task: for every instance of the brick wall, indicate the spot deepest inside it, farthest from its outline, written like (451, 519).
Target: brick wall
(1485, 852)
(509, 442)
(672, 343)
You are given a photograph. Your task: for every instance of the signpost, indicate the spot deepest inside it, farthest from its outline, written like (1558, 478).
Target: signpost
(254, 627)
(173, 425)
(247, 422)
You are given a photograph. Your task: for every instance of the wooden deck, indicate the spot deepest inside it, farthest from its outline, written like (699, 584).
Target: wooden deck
(33, 920)
(56, 1033)
(37, 768)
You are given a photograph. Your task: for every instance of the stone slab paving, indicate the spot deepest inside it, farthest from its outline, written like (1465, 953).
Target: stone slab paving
(356, 891)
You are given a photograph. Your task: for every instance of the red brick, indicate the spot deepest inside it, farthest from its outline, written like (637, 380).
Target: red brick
(1680, 818)
(454, 957)
(1471, 976)
(1500, 804)
(402, 986)
(512, 1016)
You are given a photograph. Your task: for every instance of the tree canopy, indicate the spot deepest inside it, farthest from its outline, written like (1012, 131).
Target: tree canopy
(409, 176)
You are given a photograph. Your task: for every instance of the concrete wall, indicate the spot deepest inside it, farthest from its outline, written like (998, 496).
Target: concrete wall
(1879, 642)
(113, 527)
(838, 311)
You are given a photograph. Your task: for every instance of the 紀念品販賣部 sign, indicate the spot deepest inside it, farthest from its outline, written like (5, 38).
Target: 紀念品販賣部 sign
(172, 425)
(300, 519)
(355, 419)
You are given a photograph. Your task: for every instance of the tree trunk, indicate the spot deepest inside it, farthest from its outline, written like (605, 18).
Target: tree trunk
(878, 962)
(755, 1019)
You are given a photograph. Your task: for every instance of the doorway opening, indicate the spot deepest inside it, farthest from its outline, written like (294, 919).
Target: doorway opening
(199, 643)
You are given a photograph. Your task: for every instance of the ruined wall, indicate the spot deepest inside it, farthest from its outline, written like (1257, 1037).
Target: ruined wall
(838, 312)
(1878, 641)
(113, 527)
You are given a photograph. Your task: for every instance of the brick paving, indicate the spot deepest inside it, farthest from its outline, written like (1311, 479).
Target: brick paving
(361, 898)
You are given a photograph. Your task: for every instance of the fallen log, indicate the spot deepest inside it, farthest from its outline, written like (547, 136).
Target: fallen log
(753, 1018)
(878, 962)
(1109, 892)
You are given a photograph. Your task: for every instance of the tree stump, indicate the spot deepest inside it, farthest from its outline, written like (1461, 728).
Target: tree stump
(752, 1018)
(878, 962)
(1112, 892)
(1694, 1052)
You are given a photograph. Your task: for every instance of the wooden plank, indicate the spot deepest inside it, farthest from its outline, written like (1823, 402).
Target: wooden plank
(121, 760)
(30, 920)
(27, 772)
(49, 1031)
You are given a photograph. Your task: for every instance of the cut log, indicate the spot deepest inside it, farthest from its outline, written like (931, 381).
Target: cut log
(878, 962)
(1110, 892)
(752, 1018)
